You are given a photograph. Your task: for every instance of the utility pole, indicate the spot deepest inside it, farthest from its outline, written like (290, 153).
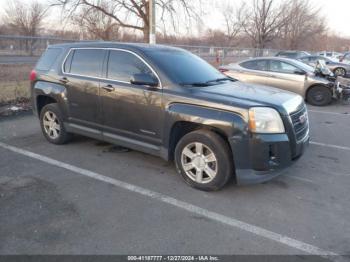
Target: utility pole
(152, 21)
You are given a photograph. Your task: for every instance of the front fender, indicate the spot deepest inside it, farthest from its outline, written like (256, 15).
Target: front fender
(232, 124)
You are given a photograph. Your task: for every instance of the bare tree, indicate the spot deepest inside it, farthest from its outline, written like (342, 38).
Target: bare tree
(262, 20)
(25, 19)
(96, 25)
(232, 24)
(304, 26)
(132, 14)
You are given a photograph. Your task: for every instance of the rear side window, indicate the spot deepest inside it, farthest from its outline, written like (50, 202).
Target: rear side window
(260, 65)
(48, 59)
(85, 62)
(123, 65)
(289, 54)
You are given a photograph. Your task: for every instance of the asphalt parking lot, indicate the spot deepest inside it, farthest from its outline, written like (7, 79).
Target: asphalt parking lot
(88, 198)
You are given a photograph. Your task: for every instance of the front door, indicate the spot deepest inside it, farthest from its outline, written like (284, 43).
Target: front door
(284, 76)
(132, 113)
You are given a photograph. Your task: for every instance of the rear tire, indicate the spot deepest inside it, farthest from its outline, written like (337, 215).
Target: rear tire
(319, 96)
(339, 71)
(204, 160)
(51, 122)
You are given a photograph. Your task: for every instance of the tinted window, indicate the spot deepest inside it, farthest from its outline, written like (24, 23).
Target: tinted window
(347, 57)
(289, 55)
(260, 65)
(306, 59)
(182, 67)
(48, 58)
(87, 62)
(282, 67)
(123, 65)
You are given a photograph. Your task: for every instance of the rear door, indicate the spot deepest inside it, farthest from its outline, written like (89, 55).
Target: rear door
(283, 75)
(253, 71)
(81, 74)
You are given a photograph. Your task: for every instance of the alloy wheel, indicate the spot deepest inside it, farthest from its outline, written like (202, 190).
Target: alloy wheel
(199, 162)
(51, 125)
(339, 72)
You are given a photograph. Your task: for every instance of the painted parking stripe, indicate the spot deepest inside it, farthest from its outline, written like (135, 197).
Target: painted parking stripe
(307, 248)
(330, 145)
(329, 113)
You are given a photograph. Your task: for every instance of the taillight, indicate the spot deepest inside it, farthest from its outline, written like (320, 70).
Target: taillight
(223, 70)
(32, 75)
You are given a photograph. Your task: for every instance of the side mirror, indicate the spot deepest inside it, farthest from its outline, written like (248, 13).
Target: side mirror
(299, 72)
(144, 79)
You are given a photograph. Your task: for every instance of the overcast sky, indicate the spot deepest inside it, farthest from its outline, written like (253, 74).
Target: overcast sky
(337, 12)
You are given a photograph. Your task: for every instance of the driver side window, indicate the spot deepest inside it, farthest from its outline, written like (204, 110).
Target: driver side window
(123, 65)
(282, 67)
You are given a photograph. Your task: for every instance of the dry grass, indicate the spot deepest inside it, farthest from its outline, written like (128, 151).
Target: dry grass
(15, 90)
(14, 83)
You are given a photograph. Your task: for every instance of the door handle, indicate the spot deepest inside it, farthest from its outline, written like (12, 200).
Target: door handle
(108, 88)
(64, 80)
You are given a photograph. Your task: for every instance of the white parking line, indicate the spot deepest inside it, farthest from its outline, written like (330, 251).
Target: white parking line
(310, 249)
(329, 113)
(330, 145)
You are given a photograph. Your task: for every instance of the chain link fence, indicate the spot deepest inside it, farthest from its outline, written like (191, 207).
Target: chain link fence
(22, 46)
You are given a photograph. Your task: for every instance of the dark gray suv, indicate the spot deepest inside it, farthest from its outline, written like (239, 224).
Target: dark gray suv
(170, 103)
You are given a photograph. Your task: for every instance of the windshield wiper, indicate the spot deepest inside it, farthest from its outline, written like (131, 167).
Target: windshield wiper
(208, 83)
(199, 84)
(220, 79)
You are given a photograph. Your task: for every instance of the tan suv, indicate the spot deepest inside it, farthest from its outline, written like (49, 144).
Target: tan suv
(284, 73)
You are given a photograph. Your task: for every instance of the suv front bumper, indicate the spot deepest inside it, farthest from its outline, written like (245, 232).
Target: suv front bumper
(264, 156)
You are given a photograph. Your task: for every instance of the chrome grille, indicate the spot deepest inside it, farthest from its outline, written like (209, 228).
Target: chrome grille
(300, 121)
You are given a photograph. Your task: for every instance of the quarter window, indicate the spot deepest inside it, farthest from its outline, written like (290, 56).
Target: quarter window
(86, 62)
(123, 65)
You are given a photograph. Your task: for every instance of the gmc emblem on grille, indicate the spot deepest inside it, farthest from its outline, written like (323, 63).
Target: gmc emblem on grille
(303, 118)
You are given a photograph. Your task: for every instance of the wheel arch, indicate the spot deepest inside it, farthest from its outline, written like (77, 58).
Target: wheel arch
(43, 100)
(183, 118)
(44, 93)
(181, 128)
(315, 85)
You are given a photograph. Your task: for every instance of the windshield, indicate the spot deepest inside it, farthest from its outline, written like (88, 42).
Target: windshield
(303, 66)
(184, 68)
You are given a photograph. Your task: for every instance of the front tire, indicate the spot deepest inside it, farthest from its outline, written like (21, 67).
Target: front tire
(51, 122)
(204, 160)
(319, 96)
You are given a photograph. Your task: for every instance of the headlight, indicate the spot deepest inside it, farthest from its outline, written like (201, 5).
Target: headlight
(265, 120)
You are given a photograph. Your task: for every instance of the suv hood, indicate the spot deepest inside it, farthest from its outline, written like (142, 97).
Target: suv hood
(248, 95)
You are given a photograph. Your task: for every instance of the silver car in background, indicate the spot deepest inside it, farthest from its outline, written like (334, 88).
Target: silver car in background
(339, 69)
(284, 73)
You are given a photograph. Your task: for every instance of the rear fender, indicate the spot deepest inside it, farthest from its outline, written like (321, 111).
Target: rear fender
(48, 89)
